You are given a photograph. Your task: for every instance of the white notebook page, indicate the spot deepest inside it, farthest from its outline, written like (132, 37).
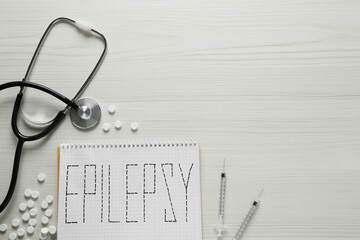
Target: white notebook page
(132, 190)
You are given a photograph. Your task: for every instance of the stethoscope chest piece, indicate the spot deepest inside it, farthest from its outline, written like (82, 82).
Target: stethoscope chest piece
(87, 116)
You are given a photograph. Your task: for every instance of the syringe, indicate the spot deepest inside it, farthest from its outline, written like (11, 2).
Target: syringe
(220, 225)
(247, 218)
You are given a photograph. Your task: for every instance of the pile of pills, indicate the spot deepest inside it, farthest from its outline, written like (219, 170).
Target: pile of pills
(28, 216)
(118, 124)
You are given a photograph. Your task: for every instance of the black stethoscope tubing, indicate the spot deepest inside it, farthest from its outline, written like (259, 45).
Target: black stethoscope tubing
(42, 40)
(60, 115)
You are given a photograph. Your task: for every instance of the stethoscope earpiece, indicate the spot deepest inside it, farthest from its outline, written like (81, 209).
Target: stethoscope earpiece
(87, 116)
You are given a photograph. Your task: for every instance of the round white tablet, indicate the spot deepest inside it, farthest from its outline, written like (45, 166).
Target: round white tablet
(3, 228)
(32, 222)
(134, 126)
(52, 230)
(27, 193)
(26, 217)
(44, 231)
(106, 127)
(42, 237)
(118, 124)
(30, 230)
(22, 207)
(49, 199)
(33, 212)
(44, 205)
(44, 220)
(20, 232)
(35, 195)
(111, 109)
(41, 177)
(30, 204)
(48, 213)
(15, 223)
(12, 236)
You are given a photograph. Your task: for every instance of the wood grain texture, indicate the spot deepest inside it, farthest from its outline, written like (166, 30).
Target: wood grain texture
(272, 86)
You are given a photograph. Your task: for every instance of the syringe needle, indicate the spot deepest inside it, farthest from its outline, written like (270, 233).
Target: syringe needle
(258, 199)
(247, 218)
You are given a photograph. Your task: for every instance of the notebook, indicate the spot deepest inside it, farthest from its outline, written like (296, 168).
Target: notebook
(129, 190)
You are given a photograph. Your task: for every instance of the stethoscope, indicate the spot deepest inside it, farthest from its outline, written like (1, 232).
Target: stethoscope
(84, 113)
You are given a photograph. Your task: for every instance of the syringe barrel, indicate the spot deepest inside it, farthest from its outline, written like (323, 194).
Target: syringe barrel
(245, 221)
(222, 194)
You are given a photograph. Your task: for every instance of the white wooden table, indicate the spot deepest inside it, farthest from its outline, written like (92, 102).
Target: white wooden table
(272, 86)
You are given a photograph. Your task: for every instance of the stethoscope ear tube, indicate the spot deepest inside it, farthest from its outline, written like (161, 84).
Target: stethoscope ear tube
(84, 28)
(40, 87)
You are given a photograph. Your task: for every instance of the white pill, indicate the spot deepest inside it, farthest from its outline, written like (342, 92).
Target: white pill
(49, 199)
(44, 220)
(44, 205)
(30, 204)
(42, 237)
(44, 231)
(26, 217)
(41, 177)
(33, 212)
(27, 193)
(52, 230)
(111, 109)
(30, 230)
(3, 228)
(106, 127)
(22, 207)
(12, 236)
(32, 222)
(134, 126)
(35, 195)
(48, 213)
(20, 232)
(15, 223)
(118, 124)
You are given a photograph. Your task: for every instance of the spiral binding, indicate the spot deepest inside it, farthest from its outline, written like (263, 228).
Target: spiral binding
(130, 144)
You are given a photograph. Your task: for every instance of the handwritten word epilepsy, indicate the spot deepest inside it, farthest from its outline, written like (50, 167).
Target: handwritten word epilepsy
(149, 187)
